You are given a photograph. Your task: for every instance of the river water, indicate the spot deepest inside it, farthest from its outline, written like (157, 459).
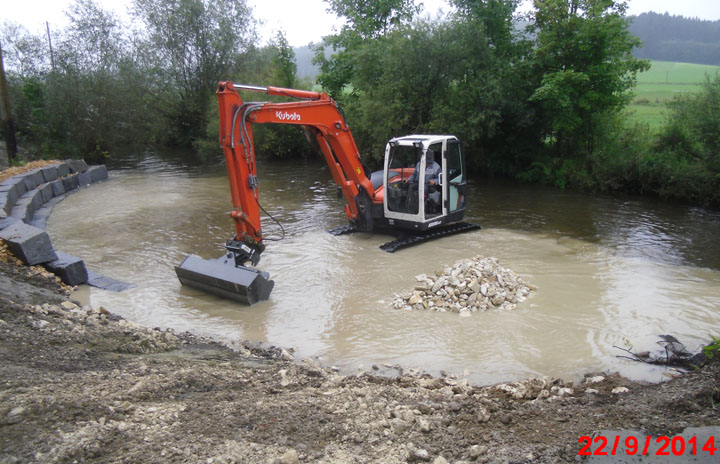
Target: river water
(608, 271)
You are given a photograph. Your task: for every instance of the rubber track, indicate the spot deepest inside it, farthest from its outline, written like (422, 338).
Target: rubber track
(343, 230)
(431, 234)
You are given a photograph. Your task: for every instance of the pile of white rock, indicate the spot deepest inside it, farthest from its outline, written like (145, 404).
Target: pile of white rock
(471, 285)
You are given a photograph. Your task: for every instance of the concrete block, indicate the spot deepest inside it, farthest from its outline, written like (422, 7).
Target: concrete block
(63, 169)
(23, 209)
(16, 181)
(83, 179)
(27, 204)
(70, 269)
(97, 173)
(57, 187)
(70, 182)
(11, 193)
(31, 180)
(46, 192)
(5, 204)
(107, 283)
(14, 186)
(37, 198)
(30, 244)
(7, 222)
(49, 173)
(40, 218)
(77, 165)
(10, 181)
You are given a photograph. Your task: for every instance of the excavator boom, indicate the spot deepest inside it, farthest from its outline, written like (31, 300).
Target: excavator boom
(228, 276)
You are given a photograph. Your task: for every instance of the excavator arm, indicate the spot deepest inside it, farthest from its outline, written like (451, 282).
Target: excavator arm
(320, 115)
(228, 276)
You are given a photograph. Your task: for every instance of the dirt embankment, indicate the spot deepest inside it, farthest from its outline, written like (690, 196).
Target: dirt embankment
(81, 384)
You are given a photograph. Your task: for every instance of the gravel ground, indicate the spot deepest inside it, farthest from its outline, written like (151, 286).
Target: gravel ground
(79, 384)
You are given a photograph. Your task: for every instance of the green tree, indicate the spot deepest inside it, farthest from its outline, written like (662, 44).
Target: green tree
(583, 53)
(685, 162)
(370, 19)
(283, 62)
(84, 84)
(281, 140)
(195, 43)
(25, 54)
(491, 84)
(358, 44)
(694, 125)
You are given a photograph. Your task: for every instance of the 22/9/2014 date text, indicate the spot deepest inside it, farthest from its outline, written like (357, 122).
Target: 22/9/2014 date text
(644, 445)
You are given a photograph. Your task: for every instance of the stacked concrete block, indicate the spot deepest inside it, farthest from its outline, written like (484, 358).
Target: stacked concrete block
(8, 221)
(47, 192)
(70, 269)
(27, 204)
(70, 182)
(63, 169)
(83, 179)
(30, 244)
(23, 209)
(97, 173)
(12, 189)
(77, 166)
(49, 173)
(107, 283)
(57, 187)
(33, 179)
(5, 205)
(24, 195)
(29, 198)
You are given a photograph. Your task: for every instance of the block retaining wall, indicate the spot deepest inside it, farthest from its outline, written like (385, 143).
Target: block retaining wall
(26, 201)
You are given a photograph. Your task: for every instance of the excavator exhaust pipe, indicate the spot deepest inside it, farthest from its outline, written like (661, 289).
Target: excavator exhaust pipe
(223, 278)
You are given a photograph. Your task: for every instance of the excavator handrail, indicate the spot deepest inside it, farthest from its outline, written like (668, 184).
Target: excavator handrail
(284, 92)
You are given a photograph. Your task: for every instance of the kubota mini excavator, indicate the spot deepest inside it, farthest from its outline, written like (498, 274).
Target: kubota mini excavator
(417, 195)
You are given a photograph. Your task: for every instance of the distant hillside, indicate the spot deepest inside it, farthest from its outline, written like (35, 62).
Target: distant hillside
(677, 38)
(303, 59)
(665, 38)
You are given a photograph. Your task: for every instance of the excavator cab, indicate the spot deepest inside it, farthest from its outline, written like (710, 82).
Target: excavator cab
(424, 181)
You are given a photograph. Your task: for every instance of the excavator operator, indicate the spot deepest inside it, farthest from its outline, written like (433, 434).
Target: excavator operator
(432, 175)
(432, 170)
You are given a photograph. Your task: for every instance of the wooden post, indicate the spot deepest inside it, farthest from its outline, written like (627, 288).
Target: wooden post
(8, 126)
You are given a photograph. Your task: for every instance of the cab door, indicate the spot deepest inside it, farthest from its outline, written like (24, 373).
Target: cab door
(404, 182)
(454, 172)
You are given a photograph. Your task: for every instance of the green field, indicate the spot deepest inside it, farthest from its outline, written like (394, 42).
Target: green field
(660, 84)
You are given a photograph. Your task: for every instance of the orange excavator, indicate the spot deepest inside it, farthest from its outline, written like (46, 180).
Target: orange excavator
(419, 195)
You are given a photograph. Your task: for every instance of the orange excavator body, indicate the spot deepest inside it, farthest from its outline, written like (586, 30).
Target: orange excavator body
(366, 207)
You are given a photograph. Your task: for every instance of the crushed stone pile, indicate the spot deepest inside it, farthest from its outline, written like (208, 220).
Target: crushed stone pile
(470, 285)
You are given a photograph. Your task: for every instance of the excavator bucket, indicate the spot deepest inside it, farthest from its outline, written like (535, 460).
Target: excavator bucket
(223, 278)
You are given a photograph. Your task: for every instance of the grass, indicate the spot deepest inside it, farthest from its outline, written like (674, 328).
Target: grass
(661, 84)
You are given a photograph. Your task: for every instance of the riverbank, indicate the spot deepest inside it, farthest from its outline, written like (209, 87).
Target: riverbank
(79, 383)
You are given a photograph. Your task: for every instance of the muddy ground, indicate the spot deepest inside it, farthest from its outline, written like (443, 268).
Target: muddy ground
(83, 385)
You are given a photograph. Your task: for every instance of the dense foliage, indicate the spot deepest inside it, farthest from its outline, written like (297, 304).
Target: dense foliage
(539, 97)
(108, 86)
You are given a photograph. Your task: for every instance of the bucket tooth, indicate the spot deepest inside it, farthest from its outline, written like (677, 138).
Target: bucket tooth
(223, 278)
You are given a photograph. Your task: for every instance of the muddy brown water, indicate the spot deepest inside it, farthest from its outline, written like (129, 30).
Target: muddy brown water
(609, 272)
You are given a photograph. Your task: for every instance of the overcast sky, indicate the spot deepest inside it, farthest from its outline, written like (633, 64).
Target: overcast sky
(306, 21)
